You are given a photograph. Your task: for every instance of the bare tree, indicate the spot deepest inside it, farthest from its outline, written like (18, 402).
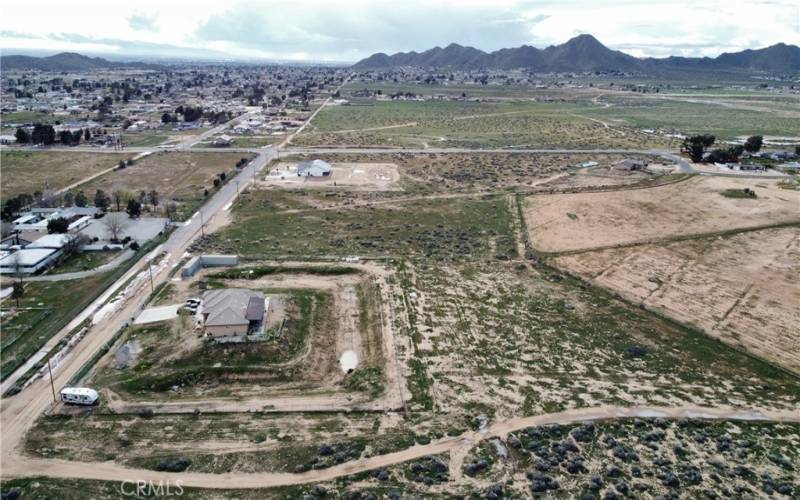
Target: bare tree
(119, 197)
(18, 291)
(115, 223)
(74, 243)
(153, 198)
(171, 210)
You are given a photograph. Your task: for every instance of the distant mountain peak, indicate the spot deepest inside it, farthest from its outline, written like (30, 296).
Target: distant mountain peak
(585, 53)
(67, 61)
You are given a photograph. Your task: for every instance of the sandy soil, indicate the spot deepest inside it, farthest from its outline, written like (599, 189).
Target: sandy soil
(569, 222)
(741, 289)
(360, 176)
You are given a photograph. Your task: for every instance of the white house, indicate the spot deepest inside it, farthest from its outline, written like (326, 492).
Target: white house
(314, 168)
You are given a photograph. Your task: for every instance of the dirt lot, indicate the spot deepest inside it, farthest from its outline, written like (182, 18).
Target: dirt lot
(177, 176)
(31, 171)
(741, 289)
(360, 176)
(568, 222)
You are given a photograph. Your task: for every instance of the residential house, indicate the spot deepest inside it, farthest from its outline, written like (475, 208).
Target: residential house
(233, 312)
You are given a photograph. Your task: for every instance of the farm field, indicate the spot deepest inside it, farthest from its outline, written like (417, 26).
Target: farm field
(578, 222)
(469, 124)
(177, 177)
(32, 171)
(741, 289)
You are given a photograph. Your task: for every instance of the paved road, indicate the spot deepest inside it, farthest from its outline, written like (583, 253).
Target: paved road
(456, 446)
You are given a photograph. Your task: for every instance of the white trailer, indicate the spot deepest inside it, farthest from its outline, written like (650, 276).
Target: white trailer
(80, 396)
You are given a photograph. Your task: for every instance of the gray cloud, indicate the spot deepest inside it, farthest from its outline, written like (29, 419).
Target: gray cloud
(355, 31)
(142, 22)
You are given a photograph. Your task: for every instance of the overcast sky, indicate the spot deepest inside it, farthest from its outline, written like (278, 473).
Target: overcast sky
(335, 30)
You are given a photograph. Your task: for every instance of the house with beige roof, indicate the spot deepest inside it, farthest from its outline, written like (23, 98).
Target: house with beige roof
(233, 312)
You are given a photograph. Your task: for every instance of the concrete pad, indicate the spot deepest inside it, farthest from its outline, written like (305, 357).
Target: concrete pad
(141, 229)
(158, 314)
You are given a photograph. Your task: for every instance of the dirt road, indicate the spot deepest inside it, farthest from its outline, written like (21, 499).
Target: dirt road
(19, 466)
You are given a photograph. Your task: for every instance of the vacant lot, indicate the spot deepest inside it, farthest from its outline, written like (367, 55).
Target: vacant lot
(724, 118)
(176, 176)
(645, 458)
(508, 340)
(443, 229)
(568, 222)
(469, 124)
(32, 171)
(741, 289)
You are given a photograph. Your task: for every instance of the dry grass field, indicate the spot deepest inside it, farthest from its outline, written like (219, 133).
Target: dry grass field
(572, 222)
(520, 123)
(741, 289)
(177, 176)
(32, 171)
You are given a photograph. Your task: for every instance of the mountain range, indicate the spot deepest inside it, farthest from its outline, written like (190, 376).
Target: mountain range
(584, 53)
(67, 61)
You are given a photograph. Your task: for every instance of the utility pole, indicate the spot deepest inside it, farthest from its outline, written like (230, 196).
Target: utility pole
(150, 268)
(202, 224)
(237, 190)
(52, 387)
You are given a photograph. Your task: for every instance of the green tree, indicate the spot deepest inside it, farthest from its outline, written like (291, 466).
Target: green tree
(11, 207)
(22, 136)
(59, 225)
(43, 134)
(87, 135)
(101, 200)
(65, 136)
(695, 146)
(134, 208)
(753, 144)
(80, 199)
